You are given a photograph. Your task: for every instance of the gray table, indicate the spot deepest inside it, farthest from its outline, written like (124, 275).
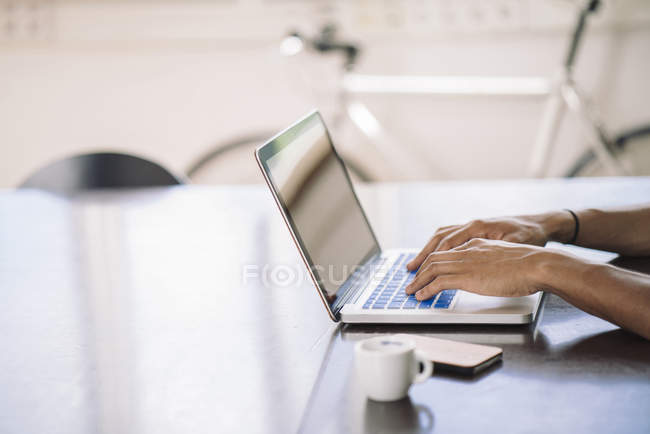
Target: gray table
(141, 311)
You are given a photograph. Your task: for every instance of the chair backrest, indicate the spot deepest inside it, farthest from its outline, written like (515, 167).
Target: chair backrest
(99, 170)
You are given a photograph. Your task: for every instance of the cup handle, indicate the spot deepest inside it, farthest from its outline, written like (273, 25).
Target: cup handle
(427, 370)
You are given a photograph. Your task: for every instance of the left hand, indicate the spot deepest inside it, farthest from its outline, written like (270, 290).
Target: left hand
(485, 267)
(534, 229)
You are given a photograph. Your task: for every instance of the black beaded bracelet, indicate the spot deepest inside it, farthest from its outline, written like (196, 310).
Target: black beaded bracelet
(576, 227)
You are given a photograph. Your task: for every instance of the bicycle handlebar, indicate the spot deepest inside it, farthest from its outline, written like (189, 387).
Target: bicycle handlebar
(326, 42)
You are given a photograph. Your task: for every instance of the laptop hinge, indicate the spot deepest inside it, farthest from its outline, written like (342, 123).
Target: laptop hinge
(356, 283)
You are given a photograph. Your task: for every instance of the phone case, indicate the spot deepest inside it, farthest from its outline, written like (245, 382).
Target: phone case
(456, 356)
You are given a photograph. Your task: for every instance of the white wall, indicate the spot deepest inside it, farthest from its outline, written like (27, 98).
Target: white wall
(167, 79)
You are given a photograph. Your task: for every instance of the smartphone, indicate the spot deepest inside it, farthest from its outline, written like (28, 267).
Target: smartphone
(457, 357)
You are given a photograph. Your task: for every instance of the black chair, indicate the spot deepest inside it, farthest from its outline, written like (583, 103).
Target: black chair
(100, 170)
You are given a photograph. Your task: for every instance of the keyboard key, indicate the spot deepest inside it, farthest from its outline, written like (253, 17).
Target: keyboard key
(426, 304)
(367, 305)
(379, 306)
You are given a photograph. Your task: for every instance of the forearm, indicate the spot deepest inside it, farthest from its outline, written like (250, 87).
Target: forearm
(611, 293)
(625, 231)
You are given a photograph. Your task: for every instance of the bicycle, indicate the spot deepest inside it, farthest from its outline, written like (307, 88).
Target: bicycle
(565, 94)
(562, 94)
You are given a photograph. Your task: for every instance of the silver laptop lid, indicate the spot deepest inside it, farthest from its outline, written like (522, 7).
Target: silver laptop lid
(313, 190)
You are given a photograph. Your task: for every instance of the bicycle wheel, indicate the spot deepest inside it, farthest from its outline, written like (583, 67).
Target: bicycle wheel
(232, 162)
(632, 148)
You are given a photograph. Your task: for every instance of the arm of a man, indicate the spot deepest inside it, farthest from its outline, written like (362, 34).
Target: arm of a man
(625, 231)
(614, 294)
(504, 269)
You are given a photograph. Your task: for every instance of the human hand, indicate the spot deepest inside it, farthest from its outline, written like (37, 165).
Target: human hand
(532, 229)
(486, 267)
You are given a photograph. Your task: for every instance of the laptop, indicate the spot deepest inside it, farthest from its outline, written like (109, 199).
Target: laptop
(358, 281)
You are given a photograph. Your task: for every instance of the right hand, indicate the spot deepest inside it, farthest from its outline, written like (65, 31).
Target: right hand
(532, 229)
(484, 267)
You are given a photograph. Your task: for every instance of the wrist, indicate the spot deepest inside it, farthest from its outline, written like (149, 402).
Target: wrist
(559, 226)
(541, 271)
(557, 272)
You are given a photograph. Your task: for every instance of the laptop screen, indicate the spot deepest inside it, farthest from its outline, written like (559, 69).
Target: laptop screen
(314, 190)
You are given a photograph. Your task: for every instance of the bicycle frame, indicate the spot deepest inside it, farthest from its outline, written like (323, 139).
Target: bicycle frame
(566, 95)
(366, 122)
(561, 92)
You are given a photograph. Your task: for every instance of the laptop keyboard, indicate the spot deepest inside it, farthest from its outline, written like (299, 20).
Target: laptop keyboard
(390, 294)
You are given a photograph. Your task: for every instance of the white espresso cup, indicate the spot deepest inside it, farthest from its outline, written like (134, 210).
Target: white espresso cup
(387, 366)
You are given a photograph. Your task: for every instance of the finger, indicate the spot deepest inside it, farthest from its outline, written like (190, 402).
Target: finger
(433, 257)
(459, 237)
(452, 281)
(442, 228)
(429, 247)
(513, 238)
(472, 242)
(432, 271)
